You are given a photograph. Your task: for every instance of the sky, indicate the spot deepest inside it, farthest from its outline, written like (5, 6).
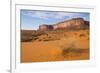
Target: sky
(32, 19)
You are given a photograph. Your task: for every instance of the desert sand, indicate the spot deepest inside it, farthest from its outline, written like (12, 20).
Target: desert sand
(58, 45)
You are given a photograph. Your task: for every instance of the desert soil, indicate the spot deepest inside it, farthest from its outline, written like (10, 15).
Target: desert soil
(70, 45)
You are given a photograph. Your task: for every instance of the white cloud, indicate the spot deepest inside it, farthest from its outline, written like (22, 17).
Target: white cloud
(53, 15)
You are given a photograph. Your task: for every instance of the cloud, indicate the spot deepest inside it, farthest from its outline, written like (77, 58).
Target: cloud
(53, 15)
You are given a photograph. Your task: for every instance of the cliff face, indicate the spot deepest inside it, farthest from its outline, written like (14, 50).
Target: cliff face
(75, 23)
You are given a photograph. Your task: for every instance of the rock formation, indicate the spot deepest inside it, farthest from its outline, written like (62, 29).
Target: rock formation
(75, 23)
(46, 27)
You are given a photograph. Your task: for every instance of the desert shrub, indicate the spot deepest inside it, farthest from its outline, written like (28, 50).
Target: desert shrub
(46, 40)
(82, 35)
(65, 49)
(49, 39)
(26, 38)
(27, 32)
(28, 35)
(71, 47)
(39, 40)
(37, 33)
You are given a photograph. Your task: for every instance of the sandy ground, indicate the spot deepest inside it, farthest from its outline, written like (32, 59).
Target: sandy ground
(72, 46)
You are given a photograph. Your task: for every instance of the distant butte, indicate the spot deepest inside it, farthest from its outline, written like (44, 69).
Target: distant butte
(74, 23)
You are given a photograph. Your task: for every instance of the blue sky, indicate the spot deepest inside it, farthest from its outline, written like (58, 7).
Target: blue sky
(31, 19)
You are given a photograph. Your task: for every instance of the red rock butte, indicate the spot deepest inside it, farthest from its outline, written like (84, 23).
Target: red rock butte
(74, 23)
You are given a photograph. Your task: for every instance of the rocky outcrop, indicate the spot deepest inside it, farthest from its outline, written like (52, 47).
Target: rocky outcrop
(46, 27)
(75, 23)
